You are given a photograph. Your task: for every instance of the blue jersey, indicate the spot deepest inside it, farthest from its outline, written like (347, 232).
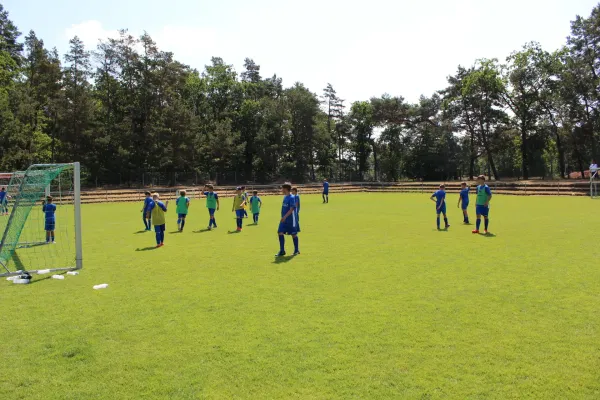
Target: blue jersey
(464, 195)
(440, 196)
(49, 210)
(2, 196)
(289, 203)
(148, 204)
(326, 186)
(297, 203)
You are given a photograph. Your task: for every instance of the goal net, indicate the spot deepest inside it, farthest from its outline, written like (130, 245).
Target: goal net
(28, 244)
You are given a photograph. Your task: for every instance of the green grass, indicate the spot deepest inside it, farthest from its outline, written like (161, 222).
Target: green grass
(379, 305)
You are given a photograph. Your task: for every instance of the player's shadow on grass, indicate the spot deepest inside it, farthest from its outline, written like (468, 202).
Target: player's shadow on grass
(233, 232)
(283, 260)
(138, 232)
(252, 224)
(146, 248)
(203, 230)
(176, 232)
(487, 235)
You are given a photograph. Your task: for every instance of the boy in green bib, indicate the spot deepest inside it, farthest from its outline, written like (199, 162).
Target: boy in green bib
(255, 205)
(212, 203)
(183, 204)
(482, 205)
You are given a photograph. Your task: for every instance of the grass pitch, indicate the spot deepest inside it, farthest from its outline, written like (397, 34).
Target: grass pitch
(379, 305)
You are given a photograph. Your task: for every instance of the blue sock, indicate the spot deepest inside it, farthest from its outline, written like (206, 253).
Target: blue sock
(182, 223)
(239, 223)
(478, 224)
(295, 239)
(438, 222)
(487, 223)
(214, 222)
(145, 222)
(162, 236)
(157, 237)
(446, 221)
(282, 243)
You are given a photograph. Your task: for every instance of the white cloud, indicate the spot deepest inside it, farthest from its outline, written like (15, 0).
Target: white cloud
(90, 32)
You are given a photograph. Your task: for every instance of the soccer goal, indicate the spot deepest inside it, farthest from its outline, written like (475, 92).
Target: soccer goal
(26, 246)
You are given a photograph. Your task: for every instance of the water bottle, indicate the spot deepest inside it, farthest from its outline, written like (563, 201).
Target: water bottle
(58, 277)
(102, 286)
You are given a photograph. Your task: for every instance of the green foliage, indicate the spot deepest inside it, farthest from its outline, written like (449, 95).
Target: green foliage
(128, 109)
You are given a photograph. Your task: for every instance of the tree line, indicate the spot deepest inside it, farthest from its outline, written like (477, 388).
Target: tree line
(128, 108)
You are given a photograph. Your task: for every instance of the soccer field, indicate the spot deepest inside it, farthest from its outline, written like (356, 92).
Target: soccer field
(379, 305)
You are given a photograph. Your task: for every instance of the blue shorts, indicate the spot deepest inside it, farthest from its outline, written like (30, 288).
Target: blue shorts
(50, 225)
(181, 216)
(464, 205)
(239, 213)
(442, 209)
(160, 228)
(326, 192)
(482, 210)
(211, 212)
(288, 229)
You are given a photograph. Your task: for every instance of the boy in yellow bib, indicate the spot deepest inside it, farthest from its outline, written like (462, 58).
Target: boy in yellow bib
(158, 211)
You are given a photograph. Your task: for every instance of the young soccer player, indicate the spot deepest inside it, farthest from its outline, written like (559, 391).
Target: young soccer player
(439, 197)
(158, 211)
(297, 200)
(238, 207)
(3, 202)
(183, 205)
(482, 203)
(463, 199)
(49, 210)
(245, 201)
(256, 205)
(212, 203)
(288, 225)
(146, 210)
(325, 191)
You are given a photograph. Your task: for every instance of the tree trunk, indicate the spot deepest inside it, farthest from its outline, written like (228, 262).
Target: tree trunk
(374, 146)
(524, 152)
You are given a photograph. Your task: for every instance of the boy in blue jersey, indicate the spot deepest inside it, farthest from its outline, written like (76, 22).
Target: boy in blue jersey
(439, 197)
(482, 203)
(463, 199)
(325, 191)
(3, 202)
(256, 205)
(212, 204)
(182, 205)
(288, 225)
(50, 220)
(148, 202)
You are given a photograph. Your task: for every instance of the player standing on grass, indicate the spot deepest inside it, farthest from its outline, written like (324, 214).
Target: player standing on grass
(288, 225)
(482, 204)
(325, 191)
(463, 199)
(49, 210)
(3, 202)
(212, 203)
(245, 194)
(146, 211)
(297, 199)
(238, 207)
(158, 217)
(183, 205)
(256, 204)
(439, 197)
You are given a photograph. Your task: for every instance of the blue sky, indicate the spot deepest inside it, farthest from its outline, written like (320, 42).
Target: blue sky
(363, 48)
